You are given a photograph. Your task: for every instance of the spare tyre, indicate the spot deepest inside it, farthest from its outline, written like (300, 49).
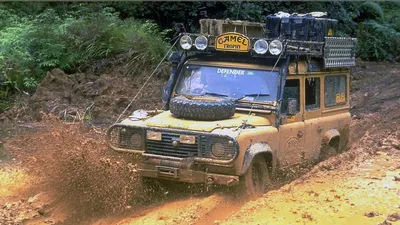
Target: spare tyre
(204, 109)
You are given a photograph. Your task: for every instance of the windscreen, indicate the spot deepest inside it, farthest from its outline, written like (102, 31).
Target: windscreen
(235, 83)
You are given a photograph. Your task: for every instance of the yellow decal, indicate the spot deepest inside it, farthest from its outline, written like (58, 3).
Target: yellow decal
(291, 119)
(234, 42)
(330, 32)
(340, 97)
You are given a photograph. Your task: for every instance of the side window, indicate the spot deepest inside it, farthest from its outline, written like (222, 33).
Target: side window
(312, 93)
(292, 90)
(335, 90)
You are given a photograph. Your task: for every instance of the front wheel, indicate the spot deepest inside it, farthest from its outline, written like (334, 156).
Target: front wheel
(256, 180)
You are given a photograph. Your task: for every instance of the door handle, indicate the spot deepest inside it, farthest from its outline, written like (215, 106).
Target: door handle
(300, 134)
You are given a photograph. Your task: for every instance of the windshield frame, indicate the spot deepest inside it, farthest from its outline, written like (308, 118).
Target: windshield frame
(233, 65)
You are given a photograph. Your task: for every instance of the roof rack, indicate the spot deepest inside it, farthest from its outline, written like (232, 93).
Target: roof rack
(292, 36)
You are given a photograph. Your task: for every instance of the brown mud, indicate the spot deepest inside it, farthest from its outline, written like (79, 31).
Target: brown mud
(56, 172)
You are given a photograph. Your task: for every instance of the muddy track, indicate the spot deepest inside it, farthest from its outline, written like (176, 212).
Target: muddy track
(63, 173)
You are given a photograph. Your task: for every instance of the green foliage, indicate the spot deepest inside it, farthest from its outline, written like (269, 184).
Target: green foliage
(38, 36)
(72, 40)
(371, 10)
(378, 42)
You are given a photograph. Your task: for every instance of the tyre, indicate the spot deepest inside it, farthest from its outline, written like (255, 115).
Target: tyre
(327, 152)
(256, 181)
(215, 109)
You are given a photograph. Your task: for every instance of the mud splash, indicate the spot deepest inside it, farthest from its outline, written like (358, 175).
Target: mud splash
(74, 163)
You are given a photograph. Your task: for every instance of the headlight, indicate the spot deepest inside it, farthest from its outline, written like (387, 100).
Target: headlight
(223, 150)
(137, 141)
(201, 42)
(261, 46)
(130, 138)
(186, 42)
(275, 47)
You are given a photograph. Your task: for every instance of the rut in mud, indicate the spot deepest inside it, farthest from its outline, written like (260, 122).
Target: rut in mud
(63, 172)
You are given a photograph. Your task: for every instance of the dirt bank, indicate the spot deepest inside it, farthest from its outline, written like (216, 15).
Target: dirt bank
(94, 97)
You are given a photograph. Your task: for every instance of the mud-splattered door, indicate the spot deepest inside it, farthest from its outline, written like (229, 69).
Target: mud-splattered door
(292, 128)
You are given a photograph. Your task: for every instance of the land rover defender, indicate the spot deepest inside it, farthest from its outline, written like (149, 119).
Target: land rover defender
(245, 99)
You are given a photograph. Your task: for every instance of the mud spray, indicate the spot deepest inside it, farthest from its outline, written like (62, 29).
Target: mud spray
(75, 164)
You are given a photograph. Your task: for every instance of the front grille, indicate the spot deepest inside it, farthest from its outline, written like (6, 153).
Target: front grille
(165, 147)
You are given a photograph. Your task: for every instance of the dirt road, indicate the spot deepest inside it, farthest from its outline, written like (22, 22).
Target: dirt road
(63, 173)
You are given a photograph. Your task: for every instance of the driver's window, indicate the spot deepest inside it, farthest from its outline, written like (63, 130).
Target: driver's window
(292, 90)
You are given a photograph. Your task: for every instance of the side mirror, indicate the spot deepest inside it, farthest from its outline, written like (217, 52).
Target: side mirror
(291, 106)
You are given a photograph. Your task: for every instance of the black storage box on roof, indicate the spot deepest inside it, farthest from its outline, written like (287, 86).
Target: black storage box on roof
(316, 29)
(319, 28)
(330, 28)
(298, 28)
(285, 28)
(302, 28)
(273, 27)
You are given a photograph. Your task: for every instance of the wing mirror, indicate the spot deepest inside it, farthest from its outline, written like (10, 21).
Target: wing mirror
(291, 106)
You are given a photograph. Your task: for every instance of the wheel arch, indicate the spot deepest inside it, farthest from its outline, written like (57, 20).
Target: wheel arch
(331, 138)
(258, 149)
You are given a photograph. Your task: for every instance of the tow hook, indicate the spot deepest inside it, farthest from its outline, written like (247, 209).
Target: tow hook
(232, 182)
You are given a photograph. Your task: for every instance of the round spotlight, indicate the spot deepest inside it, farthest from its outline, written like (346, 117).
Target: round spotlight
(201, 42)
(186, 42)
(261, 46)
(275, 47)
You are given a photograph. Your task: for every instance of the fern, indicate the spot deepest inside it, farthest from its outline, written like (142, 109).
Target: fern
(32, 45)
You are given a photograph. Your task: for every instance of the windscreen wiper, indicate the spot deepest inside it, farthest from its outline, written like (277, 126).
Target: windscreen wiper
(214, 94)
(252, 95)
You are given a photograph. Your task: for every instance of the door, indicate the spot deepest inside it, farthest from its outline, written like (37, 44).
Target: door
(312, 118)
(292, 128)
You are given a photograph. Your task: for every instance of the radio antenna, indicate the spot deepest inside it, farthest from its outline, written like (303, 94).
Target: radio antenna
(237, 14)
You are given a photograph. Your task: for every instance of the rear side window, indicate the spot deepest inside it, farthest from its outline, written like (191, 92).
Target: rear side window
(335, 90)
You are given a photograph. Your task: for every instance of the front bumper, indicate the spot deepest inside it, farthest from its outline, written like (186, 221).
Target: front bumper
(182, 171)
(190, 176)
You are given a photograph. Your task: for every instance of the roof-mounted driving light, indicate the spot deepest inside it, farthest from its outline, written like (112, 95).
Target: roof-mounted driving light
(186, 42)
(201, 42)
(275, 47)
(261, 46)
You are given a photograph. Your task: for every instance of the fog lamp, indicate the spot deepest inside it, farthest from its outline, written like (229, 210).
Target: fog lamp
(186, 42)
(201, 42)
(261, 46)
(275, 47)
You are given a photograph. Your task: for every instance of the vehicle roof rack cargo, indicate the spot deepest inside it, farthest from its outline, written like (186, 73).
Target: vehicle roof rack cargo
(300, 34)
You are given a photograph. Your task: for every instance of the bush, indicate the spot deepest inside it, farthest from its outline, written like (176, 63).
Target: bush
(371, 10)
(73, 41)
(378, 42)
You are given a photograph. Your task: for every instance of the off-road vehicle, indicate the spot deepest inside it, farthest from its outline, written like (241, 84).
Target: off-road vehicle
(245, 99)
